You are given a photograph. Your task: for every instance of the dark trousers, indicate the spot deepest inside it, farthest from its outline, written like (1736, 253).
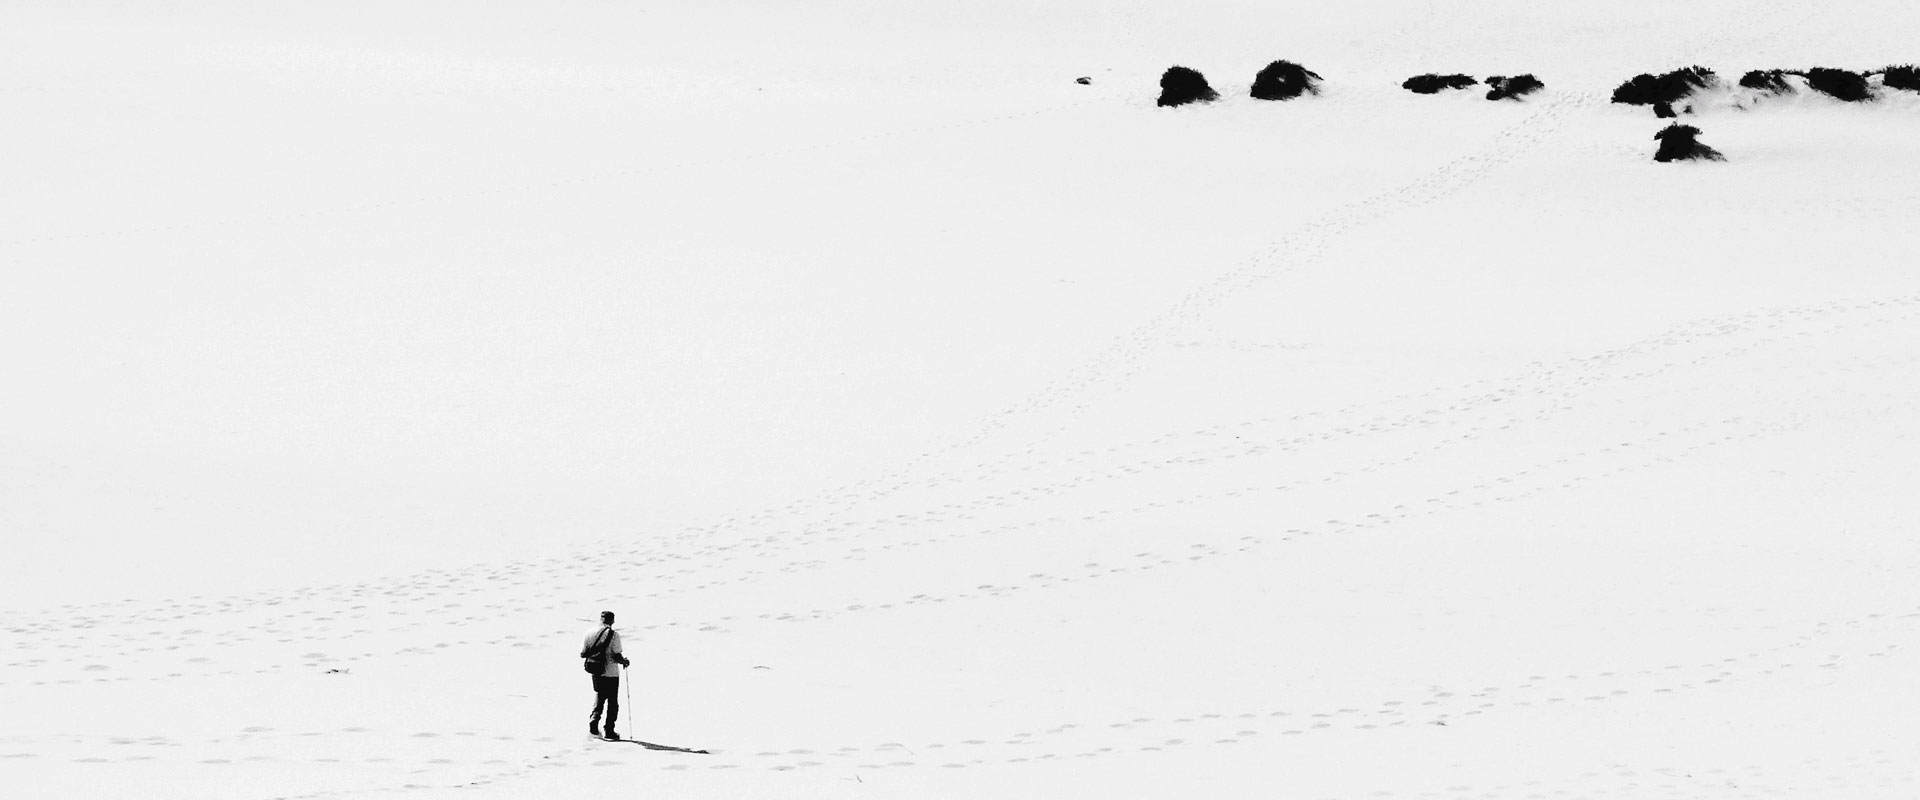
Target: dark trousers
(606, 693)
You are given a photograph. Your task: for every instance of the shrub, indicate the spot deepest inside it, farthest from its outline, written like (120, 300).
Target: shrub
(1433, 84)
(1839, 83)
(1767, 80)
(1284, 80)
(1512, 88)
(1903, 76)
(1671, 87)
(1664, 110)
(1180, 86)
(1640, 90)
(1680, 143)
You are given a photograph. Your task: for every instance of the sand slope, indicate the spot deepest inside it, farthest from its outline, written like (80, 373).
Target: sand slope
(940, 427)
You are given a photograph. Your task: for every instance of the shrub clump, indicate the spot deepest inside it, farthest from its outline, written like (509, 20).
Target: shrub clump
(1839, 83)
(1773, 81)
(1902, 76)
(1434, 84)
(1503, 87)
(1284, 80)
(1669, 88)
(1180, 86)
(1681, 143)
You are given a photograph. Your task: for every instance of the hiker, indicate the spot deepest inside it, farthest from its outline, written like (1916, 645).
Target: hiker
(602, 652)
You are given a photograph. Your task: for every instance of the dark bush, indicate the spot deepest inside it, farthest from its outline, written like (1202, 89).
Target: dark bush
(1767, 80)
(1640, 90)
(1671, 87)
(1903, 76)
(1284, 80)
(1433, 84)
(1180, 86)
(1680, 143)
(1664, 110)
(1512, 88)
(1839, 83)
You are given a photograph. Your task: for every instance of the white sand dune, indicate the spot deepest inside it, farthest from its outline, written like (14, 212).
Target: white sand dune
(940, 427)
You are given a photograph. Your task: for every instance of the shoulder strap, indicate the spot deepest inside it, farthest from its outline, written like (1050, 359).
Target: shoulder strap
(600, 645)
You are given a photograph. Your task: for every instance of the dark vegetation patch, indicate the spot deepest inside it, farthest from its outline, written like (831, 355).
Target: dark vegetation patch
(1502, 87)
(1901, 76)
(1669, 87)
(1767, 80)
(1180, 86)
(1434, 84)
(1681, 143)
(1284, 80)
(1842, 84)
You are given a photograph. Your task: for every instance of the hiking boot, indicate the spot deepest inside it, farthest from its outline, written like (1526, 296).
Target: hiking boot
(593, 727)
(612, 736)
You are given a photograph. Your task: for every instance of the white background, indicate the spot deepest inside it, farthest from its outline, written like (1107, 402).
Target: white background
(940, 427)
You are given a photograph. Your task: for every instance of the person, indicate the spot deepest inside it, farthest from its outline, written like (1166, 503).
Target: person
(603, 647)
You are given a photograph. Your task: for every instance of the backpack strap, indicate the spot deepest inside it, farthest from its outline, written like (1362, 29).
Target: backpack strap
(599, 648)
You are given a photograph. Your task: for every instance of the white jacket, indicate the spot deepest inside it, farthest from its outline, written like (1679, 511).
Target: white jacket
(613, 649)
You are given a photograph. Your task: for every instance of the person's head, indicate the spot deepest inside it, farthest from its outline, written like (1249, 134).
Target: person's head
(606, 618)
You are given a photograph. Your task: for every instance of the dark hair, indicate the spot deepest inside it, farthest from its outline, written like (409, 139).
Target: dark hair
(606, 616)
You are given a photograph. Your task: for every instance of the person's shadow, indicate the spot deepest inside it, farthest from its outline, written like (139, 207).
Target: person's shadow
(664, 747)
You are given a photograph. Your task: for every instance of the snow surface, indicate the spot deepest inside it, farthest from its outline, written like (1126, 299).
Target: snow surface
(940, 427)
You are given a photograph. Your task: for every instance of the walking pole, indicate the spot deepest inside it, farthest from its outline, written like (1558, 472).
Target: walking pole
(628, 686)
